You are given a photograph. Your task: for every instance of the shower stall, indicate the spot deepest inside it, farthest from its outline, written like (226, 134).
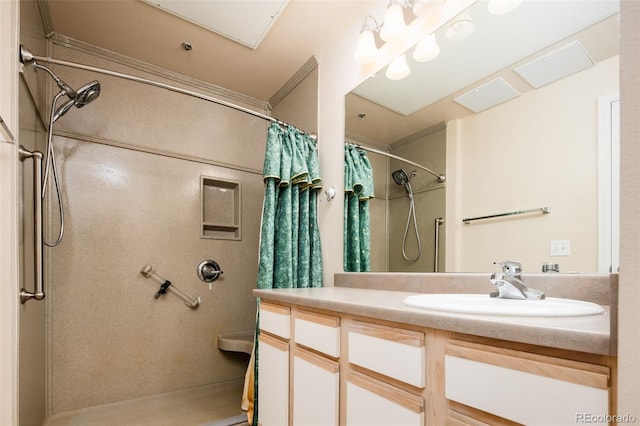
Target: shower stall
(143, 176)
(408, 211)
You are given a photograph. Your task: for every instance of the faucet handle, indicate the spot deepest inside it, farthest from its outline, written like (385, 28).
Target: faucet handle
(510, 267)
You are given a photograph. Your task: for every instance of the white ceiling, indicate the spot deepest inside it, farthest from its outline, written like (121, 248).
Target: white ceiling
(428, 94)
(497, 42)
(145, 32)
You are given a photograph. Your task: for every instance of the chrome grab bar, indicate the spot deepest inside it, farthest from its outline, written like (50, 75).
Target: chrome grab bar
(439, 221)
(38, 259)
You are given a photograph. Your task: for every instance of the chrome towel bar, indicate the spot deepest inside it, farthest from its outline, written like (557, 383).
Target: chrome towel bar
(543, 210)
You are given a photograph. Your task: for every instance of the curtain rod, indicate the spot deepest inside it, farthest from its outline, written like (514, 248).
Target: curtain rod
(163, 86)
(441, 177)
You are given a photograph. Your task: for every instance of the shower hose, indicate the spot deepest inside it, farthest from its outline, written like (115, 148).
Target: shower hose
(412, 212)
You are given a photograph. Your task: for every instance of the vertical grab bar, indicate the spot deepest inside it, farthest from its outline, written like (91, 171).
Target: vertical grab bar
(439, 221)
(38, 245)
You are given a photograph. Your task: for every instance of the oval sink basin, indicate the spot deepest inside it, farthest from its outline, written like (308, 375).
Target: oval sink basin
(482, 304)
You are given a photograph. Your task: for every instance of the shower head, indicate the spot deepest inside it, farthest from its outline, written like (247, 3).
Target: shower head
(400, 177)
(80, 98)
(85, 94)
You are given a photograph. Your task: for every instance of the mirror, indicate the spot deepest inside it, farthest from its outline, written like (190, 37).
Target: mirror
(533, 81)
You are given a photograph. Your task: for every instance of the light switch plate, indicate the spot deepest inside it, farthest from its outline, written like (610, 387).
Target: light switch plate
(560, 248)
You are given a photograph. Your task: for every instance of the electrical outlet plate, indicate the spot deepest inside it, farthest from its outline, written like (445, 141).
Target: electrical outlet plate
(560, 248)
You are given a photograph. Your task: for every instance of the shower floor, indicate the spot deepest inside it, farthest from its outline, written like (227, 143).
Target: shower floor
(213, 405)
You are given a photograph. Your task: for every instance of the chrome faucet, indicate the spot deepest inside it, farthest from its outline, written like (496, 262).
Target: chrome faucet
(509, 283)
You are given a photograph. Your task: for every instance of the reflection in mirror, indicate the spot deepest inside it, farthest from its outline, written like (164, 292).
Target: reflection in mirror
(534, 147)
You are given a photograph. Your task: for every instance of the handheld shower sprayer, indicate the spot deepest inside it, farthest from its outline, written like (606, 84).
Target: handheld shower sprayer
(86, 94)
(402, 178)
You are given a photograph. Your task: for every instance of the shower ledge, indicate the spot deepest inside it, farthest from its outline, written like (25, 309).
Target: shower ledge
(237, 342)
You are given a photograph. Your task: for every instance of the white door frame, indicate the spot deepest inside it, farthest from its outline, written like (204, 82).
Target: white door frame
(609, 183)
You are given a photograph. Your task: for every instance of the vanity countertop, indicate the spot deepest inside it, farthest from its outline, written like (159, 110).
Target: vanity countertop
(591, 334)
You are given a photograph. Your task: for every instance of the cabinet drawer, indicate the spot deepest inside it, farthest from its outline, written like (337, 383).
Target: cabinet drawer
(275, 319)
(393, 352)
(524, 387)
(318, 331)
(372, 402)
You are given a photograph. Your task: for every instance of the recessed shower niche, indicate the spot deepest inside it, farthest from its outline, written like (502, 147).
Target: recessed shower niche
(220, 213)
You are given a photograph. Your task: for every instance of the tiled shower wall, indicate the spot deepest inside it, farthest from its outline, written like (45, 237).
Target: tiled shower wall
(130, 166)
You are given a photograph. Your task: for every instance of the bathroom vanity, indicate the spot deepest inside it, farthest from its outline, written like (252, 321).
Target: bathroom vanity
(359, 356)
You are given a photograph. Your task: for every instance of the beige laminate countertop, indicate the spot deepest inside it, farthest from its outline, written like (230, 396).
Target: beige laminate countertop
(590, 334)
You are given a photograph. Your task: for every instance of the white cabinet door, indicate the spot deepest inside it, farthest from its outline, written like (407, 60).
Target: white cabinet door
(316, 384)
(374, 403)
(273, 381)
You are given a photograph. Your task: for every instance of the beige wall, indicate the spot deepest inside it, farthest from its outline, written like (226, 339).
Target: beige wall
(299, 106)
(537, 150)
(130, 165)
(629, 297)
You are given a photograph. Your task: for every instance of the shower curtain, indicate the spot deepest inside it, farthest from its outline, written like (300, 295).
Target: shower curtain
(290, 253)
(358, 188)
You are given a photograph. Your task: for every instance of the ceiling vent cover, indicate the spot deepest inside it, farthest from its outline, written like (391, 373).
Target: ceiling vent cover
(246, 22)
(556, 65)
(488, 95)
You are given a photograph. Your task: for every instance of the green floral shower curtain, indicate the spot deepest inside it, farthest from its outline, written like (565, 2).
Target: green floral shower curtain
(290, 253)
(358, 188)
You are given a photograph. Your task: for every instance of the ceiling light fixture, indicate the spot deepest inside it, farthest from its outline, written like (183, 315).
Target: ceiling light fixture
(461, 28)
(422, 8)
(367, 50)
(393, 28)
(498, 7)
(427, 49)
(398, 68)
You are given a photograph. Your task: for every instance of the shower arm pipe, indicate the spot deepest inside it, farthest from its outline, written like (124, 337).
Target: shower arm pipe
(160, 85)
(441, 177)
